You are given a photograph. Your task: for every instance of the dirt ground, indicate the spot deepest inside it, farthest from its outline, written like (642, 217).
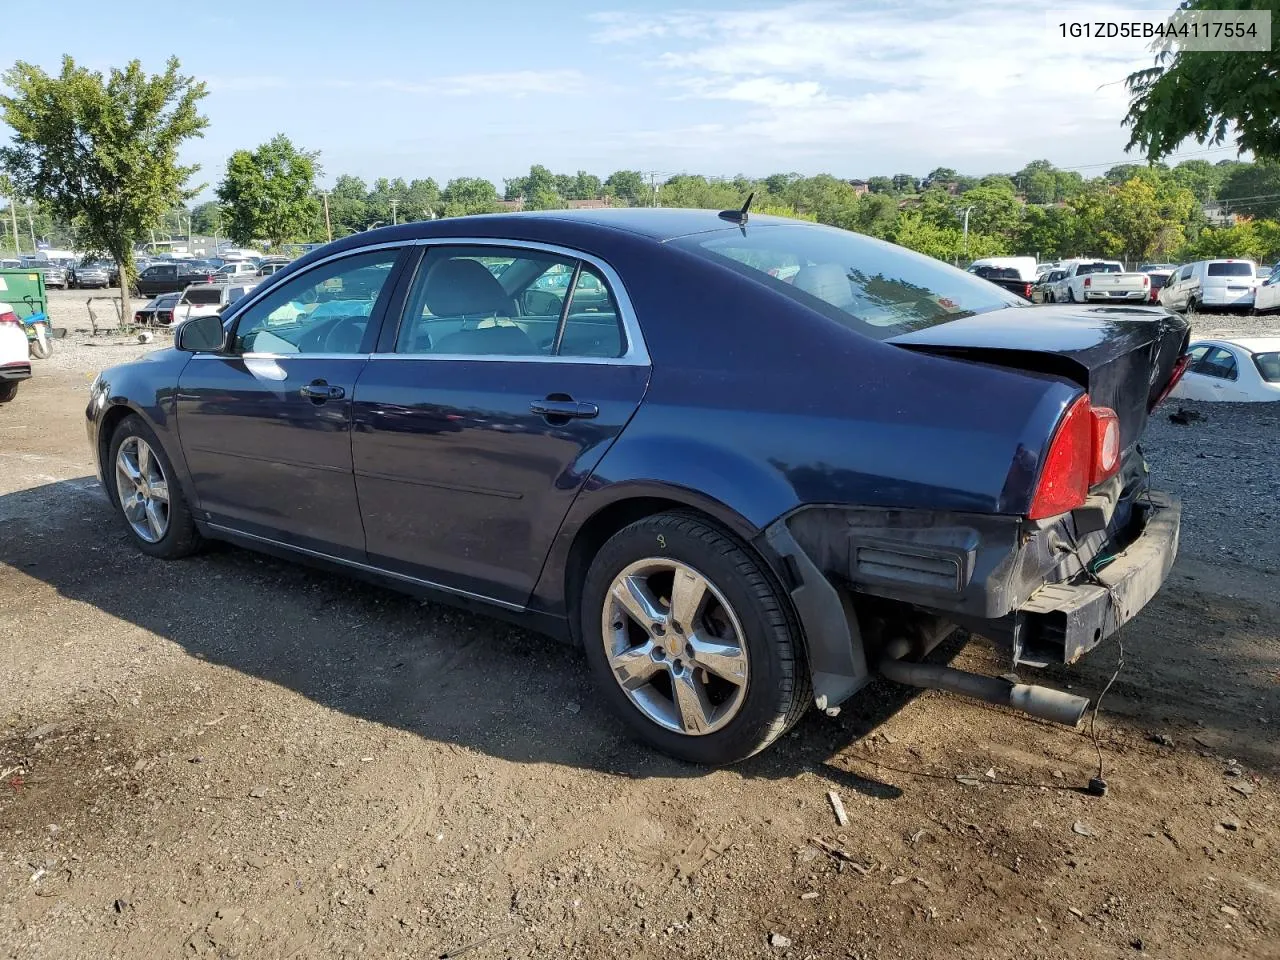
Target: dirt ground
(233, 756)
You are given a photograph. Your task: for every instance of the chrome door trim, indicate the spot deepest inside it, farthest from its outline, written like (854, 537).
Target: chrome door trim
(367, 567)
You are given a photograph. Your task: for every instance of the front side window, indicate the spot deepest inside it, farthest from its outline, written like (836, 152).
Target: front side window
(509, 302)
(875, 288)
(1185, 273)
(1218, 363)
(325, 310)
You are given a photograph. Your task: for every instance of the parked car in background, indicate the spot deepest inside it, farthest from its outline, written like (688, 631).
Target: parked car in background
(1088, 281)
(1159, 278)
(1266, 298)
(158, 311)
(237, 270)
(10, 264)
(90, 275)
(171, 276)
(1157, 267)
(55, 276)
(1212, 284)
(727, 555)
(1042, 291)
(1244, 370)
(202, 299)
(15, 353)
(1025, 267)
(1007, 277)
(272, 267)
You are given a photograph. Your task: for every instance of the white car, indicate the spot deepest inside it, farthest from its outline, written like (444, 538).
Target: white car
(1223, 284)
(1246, 370)
(1266, 297)
(1091, 281)
(15, 354)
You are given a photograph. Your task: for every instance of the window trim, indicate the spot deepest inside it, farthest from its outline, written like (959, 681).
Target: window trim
(636, 353)
(1235, 363)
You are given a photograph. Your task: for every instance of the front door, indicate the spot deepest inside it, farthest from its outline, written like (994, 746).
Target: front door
(512, 372)
(266, 425)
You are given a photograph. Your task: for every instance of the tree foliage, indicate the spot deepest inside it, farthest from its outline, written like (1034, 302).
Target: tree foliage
(1252, 189)
(1207, 95)
(468, 195)
(102, 151)
(270, 193)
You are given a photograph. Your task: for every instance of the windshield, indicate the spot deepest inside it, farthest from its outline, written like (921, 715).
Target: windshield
(1097, 268)
(1268, 365)
(1231, 269)
(870, 286)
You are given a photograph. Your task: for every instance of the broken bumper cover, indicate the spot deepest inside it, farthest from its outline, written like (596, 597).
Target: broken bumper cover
(1072, 619)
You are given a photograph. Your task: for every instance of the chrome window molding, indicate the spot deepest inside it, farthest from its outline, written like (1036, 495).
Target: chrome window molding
(636, 354)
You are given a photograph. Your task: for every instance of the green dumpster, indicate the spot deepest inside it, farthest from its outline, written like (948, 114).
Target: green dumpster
(24, 291)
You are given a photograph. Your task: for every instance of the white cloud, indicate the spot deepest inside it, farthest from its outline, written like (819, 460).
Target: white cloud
(976, 82)
(515, 83)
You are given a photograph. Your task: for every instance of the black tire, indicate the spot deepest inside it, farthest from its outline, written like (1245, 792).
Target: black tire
(8, 390)
(1049, 296)
(181, 538)
(1071, 295)
(1193, 306)
(778, 689)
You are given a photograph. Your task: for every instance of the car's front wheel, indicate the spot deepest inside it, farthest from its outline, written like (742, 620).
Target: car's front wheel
(8, 391)
(691, 641)
(142, 484)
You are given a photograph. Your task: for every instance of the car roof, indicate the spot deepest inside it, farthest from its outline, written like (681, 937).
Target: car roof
(1251, 344)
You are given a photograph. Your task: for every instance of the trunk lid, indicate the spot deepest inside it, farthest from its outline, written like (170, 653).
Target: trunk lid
(1123, 356)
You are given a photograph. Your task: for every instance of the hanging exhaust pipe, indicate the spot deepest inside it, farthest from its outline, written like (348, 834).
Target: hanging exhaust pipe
(1042, 702)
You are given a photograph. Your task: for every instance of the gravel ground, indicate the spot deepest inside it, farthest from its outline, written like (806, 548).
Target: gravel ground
(238, 756)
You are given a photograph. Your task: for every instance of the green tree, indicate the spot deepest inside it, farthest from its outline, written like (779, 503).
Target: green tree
(905, 183)
(348, 206)
(1247, 240)
(940, 177)
(1252, 189)
(102, 151)
(422, 199)
(585, 186)
(880, 185)
(876, 214)
(270, 193)
(996, 211)
(943, 242)
(1199, 176)
(1134, 220)
(1069, 183)
(830, 199)
(206, 218)
(628, 185)
(464, 196)
(1000, 182)
(1039, 181)
(1207, 95)
(1049, 232)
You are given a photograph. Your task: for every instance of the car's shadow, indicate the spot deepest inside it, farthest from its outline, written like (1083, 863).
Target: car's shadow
(442, 673)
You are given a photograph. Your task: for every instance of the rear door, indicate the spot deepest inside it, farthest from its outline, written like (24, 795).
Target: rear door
(265, 426)
(513, 370)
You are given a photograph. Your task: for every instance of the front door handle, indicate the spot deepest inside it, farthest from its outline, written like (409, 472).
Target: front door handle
(565, 409)
(319, 390)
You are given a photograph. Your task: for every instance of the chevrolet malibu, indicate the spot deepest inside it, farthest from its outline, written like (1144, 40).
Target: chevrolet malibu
(747, 463)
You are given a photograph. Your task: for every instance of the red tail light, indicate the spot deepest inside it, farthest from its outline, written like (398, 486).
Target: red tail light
(1026, 290)
(1085, 450)
(10, 317)
(1146, 280)
(1088, 281)
(166, 316)
(1179, 369)
(208, 278)
(139, 318)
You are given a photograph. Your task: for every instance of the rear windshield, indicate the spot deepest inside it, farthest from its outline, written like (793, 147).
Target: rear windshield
(875, 288)
(204, 295)
(1231, 269)
(1268, 365)
(1158, 280)
(1097, 268)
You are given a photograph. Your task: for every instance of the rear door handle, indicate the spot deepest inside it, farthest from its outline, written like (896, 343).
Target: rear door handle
(567, 409)
(319, 390)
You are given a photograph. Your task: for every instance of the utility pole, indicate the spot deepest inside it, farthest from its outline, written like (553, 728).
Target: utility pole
(653, 186)
(13, 215)
(31, 225)
(328, 225)
(394, 219)
(967, 211)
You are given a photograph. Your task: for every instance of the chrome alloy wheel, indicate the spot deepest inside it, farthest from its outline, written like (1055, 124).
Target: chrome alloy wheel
(143, 489)
(675, 646)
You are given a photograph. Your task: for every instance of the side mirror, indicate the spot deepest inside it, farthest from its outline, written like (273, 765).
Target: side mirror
(201, 335)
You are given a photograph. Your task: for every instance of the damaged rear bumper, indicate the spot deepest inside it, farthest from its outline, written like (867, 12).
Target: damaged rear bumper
(1049, 594)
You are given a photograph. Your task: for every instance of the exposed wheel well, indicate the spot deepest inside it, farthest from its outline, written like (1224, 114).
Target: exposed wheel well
(600, 527)
(110, 420)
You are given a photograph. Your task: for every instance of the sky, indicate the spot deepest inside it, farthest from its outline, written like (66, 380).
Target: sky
(446, 89)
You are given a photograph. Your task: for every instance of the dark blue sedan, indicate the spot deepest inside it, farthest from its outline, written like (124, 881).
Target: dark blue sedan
(747, 464)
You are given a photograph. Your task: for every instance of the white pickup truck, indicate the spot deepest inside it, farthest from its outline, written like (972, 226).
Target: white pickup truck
(1089, 281)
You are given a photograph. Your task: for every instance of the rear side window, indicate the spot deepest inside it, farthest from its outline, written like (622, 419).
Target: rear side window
(1217, 362)
(1268, 365)
(203, 296)
(875, 288)
(1230, 270)
(509, 302)
(1097, 268)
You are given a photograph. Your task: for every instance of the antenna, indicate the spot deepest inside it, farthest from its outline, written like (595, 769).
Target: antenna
(738, 216)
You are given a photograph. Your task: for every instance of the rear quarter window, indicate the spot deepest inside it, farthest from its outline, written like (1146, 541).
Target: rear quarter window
(1268, 365)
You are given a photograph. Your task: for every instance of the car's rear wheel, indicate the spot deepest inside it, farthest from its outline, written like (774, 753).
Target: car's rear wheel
(143, 486)
(1071, 295)
(8, 391)
(691, 640)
